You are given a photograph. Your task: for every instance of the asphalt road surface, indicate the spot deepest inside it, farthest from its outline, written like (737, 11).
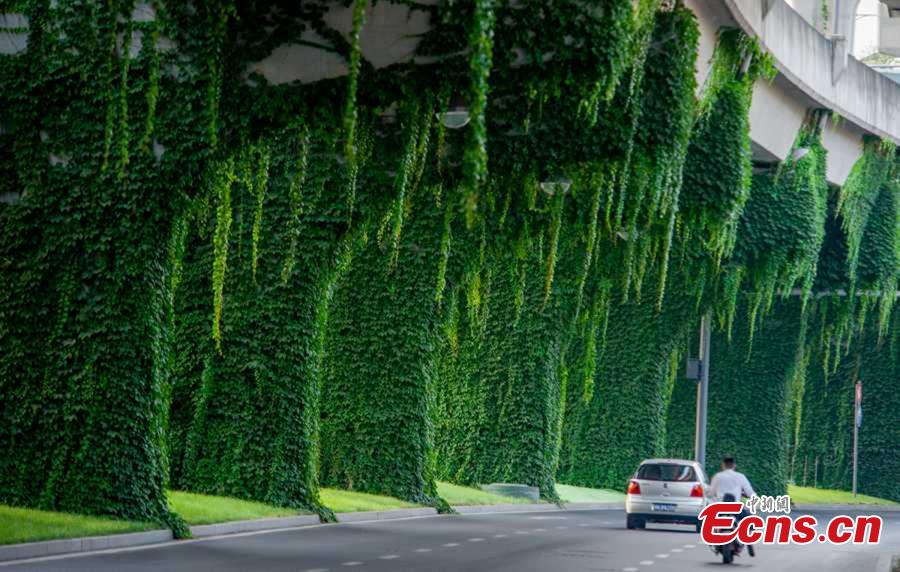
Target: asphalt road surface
(556, 542)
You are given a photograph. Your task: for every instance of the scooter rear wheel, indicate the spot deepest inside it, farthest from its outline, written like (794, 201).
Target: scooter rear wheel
(727, 554)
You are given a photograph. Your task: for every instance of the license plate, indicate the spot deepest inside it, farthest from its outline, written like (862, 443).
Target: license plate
(663, 507)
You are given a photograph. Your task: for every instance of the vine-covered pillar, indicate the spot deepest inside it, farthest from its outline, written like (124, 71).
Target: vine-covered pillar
(86, 328)
(879, 459)
(824, 437)
(250, 420)
(521, 378)
(624, 422)
(749, 390)
(460, 405)
(85, 290)
(378, 387)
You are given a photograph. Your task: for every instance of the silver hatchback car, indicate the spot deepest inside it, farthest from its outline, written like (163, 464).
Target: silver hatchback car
(666, 490)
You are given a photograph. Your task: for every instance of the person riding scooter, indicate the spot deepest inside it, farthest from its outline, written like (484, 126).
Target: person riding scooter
(728, 485)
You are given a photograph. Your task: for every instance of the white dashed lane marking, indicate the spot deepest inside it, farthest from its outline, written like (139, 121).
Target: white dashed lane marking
(646, 563)
(689, 545)
(352, 563)
(422, 550)
(562, 528)
(476, 540)
(584, 524)
(388, 557)
(629, 569)
(451, 544)
(540, 530)
(676, 550)
(500, 535)
(662, 555)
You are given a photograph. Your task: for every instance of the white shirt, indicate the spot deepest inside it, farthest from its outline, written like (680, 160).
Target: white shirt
(731, 482)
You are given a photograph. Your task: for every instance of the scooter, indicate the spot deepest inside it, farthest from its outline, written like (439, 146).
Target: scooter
(733, 548)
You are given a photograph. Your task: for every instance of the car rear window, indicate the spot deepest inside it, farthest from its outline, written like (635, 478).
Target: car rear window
(666, 472)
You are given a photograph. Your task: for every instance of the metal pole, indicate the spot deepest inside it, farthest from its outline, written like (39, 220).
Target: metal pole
(702, 394)
(857, 404)
(855, 452)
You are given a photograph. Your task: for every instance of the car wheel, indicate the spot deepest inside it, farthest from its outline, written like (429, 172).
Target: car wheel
(698, 526)
(633, 522)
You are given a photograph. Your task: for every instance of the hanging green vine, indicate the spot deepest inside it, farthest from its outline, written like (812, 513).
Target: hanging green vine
(650, 197)
(717, 169)
(224, 177)
(481, 42)
(783, 225)
(350, 111)
(296, 198)
(258, 181)
(858, 196)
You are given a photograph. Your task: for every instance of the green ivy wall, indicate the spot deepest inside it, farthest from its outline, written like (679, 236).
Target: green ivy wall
(247, 289)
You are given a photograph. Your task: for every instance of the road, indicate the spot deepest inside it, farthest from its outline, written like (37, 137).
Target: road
(557, 542)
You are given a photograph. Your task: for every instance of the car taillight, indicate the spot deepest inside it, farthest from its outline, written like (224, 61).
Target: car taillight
(697, 491)
(634, 488)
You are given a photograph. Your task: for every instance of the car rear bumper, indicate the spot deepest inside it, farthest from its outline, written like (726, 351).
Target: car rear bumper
(670, 518)
(685, 510)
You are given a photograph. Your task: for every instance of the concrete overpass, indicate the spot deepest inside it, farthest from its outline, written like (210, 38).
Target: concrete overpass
(815, 70)
(812, 56)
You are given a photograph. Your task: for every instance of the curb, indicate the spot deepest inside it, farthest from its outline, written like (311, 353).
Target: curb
(31, 550)
(350, 517)
(868, 508)
(76, 545)
(505, 508)
(204, 530)
(596, 505)
(543, 507)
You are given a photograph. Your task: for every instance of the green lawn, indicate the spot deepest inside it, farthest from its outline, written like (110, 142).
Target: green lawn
(809, 495)
(568, 493)
(350, 501)
(457, 495)
(208, 509)
(28, 525)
